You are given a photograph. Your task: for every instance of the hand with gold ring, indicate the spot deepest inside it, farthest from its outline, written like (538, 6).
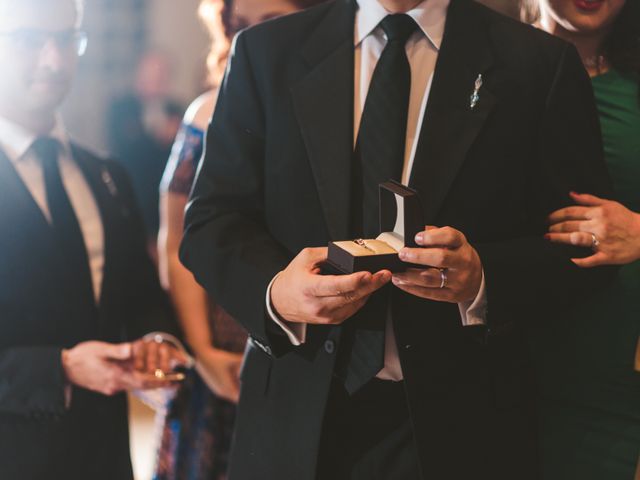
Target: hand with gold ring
(610, 229)
(453, 270)
(155, 356)
(299, 294)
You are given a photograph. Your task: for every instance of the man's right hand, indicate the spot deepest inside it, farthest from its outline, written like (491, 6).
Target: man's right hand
(301, 295)
(106, 368)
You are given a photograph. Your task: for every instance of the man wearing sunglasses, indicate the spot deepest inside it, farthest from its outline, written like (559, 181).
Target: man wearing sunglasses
(76, 285)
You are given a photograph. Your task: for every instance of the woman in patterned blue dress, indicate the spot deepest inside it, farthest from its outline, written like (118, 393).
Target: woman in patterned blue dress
(199, 425)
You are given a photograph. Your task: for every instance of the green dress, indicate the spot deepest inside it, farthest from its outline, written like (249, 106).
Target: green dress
(591, 393)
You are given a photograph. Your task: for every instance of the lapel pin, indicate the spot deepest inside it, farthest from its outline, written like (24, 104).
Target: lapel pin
(475, 97)
(108, 181)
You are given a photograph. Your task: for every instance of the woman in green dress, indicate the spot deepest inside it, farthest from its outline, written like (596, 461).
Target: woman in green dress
(590, 389)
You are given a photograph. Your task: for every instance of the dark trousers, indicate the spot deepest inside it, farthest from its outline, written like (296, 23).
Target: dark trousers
(368, 436)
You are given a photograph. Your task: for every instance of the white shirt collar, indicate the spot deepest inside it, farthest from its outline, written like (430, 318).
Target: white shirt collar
(16, 140)
(430, 15)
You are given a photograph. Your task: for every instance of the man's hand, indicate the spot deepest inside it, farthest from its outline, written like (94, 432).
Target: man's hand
(449, 256)
(301, 295)
(220, 370)
(105, 368)
(151, 356)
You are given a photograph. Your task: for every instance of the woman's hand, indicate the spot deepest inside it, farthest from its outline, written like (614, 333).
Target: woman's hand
(220, 370)
(611, 229)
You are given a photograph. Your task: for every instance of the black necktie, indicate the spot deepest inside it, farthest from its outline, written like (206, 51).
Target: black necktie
(63, 218)
(379, 156)
(383, 127)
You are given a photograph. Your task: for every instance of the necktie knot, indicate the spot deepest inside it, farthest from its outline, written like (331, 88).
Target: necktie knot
(46, 149)
(398, 27)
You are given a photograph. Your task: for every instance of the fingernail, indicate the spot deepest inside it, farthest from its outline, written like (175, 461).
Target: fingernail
(405, 254)
(419, 238)
(396, 281)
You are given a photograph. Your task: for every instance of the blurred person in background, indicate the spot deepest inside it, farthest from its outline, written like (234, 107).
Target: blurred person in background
(591, 419)
(199, 426)
(77, 288)
(141, 127)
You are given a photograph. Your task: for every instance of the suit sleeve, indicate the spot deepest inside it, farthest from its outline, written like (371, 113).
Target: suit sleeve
(530, 276)
(227, 244)
(148, 306)
(32, 381)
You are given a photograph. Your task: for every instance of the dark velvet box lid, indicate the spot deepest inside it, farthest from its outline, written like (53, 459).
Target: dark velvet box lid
(401, 218)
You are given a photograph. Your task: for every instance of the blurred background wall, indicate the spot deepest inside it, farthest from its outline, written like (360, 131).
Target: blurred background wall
(120, 31)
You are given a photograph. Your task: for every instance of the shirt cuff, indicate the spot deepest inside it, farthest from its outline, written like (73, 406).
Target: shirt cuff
(296, 332)
(475, 312)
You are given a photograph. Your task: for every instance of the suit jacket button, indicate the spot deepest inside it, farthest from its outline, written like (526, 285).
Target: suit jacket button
(329, 346)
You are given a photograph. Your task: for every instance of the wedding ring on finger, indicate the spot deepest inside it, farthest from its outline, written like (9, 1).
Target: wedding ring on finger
(594, 242)
(159, 374)
(443, 277)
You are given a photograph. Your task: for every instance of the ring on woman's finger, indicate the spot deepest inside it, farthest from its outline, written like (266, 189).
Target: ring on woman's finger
(443, 277)
(595, 243)
(159, 374)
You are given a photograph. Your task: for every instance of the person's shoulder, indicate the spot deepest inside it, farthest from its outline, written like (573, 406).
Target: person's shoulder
(296, 20)
(517, 39)
(290, 30)
(199, 112)
(102, 162)
(93, 155)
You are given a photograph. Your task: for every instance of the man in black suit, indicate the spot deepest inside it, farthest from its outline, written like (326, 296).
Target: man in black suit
(422, 374)
(75, 278)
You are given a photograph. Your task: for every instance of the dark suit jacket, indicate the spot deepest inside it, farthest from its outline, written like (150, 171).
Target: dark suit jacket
(41, 313)
(276, 179)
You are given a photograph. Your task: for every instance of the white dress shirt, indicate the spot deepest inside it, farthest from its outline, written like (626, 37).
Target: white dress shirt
(16, 143)
(422, 52)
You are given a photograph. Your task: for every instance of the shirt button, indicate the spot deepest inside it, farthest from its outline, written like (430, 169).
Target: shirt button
(329, 346)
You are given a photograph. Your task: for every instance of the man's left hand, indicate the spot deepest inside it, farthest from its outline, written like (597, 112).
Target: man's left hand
(454, 269)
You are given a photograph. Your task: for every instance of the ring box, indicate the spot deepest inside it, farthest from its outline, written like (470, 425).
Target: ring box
(401, 218)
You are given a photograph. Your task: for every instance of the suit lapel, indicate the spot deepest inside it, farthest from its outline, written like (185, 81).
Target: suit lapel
(105, 193)
(450, 125)
(323, 103)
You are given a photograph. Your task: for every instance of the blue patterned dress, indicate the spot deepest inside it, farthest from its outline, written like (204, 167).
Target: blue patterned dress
(198, 428)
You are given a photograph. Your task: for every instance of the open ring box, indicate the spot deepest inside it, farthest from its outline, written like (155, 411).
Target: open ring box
(401, 218)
